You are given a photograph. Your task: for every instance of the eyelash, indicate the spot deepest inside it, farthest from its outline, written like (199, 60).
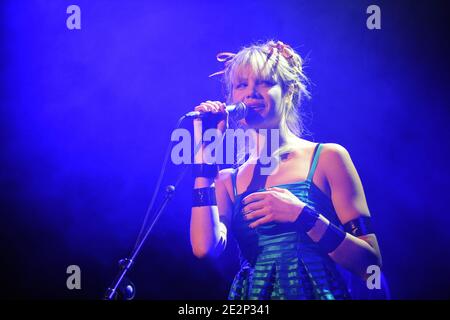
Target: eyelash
(266, 82)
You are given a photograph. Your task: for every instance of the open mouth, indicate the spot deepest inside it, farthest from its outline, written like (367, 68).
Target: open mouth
(256, 107)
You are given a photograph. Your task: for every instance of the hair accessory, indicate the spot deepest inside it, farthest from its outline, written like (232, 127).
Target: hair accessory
(284, 49)
(225, 57)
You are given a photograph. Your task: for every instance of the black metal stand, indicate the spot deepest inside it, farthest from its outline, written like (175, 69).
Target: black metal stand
(122, 288)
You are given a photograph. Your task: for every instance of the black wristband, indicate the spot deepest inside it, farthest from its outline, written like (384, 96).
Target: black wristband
(307, 219)
(204, 197)
(359, 227)
(331, 239)
(205, 170)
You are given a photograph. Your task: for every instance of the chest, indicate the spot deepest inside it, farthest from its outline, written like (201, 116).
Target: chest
(292, 168)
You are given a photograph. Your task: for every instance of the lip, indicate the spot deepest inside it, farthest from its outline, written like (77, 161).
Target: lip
(255, 106)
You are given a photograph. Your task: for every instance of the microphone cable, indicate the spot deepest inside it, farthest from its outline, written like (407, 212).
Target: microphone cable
(158, 186)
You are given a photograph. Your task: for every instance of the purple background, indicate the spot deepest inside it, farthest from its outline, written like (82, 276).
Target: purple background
(86, 116)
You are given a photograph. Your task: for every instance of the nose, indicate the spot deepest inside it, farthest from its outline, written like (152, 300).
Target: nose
(252, 92)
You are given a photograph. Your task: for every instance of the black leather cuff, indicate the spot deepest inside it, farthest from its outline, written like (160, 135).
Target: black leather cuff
(204, 197)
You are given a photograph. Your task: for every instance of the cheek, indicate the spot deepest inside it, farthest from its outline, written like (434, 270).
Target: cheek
(236, 96)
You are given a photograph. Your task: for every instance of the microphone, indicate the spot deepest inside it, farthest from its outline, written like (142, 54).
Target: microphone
(236, 112)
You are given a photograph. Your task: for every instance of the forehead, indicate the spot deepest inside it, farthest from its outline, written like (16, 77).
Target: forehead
(253, 66)
(248, 72)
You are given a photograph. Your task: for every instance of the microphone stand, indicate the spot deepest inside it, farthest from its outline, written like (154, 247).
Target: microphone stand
(122, 287)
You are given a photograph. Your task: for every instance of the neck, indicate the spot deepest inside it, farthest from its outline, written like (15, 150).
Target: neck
(272, 142)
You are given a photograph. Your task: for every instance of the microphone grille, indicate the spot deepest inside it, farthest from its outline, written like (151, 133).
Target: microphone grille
(239, 112)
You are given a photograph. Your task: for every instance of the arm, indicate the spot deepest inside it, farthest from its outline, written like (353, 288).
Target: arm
(208, 229)
(349, 201)
(280, 205)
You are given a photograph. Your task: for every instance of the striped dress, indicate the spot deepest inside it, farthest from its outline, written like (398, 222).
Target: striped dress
(280, 262)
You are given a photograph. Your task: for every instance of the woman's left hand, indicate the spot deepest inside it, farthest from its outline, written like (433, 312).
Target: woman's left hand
(274, 205)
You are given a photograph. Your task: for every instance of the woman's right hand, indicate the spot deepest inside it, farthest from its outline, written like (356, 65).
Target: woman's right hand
(218, 120)
(219, 111)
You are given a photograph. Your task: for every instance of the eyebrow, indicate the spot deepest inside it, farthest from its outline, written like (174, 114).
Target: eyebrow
(239, 79)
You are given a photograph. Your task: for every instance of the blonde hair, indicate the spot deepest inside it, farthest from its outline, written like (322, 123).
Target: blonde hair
(278, 62)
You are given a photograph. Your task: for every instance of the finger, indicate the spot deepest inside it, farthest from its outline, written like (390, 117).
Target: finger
(222, 107)
(224, 110)
(255, 196)
(252, 206)
(214, 105)
(208, 106)
(256, 214)
(203, 107)
(215, 102)
(263, 220)
(277, 189)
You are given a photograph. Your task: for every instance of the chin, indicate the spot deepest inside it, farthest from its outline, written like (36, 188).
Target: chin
(257, 120)
(254, 119)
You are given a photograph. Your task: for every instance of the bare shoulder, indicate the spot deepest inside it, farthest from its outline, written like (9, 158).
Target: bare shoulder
(334, 149)
(347, 189)
(338, 166)
(334, 156)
